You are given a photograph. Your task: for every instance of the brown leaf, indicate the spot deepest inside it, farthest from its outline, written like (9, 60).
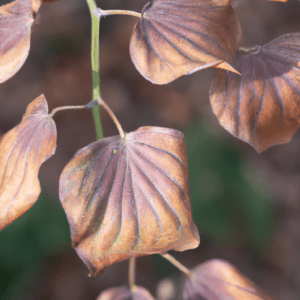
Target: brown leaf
(219, 280)
(124, 293)
(129, 197)
(261, 107)
(279, 0)
(23, 149)
(175, 38)
(16, 19)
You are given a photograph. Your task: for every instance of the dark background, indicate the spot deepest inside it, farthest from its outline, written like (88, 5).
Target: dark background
(246, 206)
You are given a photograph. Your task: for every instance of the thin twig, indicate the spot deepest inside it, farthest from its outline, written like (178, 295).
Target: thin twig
(177, 264)
(55, 110)
(118, 12)
(112, 115)
(131, 273)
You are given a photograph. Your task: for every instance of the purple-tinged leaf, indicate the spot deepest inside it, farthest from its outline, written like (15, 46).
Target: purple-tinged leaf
(23, 149)
(175, 38)
(219, 280)
(129, 197)
(124, 293)
(262, 106)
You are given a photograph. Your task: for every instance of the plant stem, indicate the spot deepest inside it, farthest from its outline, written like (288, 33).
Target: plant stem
(131, 274)
(119, 12)
(112, 115)
(55, 110)
(177, 264)
(95, 64)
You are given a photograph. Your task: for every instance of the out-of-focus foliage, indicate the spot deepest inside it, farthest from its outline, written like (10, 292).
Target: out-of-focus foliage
(226, 206)
(40, 232)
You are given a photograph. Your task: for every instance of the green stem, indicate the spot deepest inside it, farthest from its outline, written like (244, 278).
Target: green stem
(95, 65)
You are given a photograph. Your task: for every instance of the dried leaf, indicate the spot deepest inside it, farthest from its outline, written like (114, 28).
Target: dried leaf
(124, 293)
(23, 149)
(129, 197)
(16, 19)
(175, 38)
(261, 107)
(219, 280)
(279, 0)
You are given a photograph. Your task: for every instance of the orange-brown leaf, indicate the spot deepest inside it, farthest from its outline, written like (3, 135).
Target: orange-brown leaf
(219, 280)
(23, 149)
(129, 197)
(261, 107)
(16, 19)
(124, 293)
(175, 38)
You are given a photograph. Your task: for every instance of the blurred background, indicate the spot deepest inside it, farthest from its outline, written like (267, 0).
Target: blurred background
(246, 206)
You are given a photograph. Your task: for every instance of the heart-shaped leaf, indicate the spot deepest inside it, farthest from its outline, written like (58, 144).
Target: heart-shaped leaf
(174, 38)
(219, 280)
(16, 19)
(124, 293)
(261, 107)
(23, 149)
(129, 197)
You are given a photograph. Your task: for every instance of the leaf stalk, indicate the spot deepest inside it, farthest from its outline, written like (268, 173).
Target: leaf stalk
(131, 273)
(55, 110)
(104, 13)
(112, 115)
(178, 265)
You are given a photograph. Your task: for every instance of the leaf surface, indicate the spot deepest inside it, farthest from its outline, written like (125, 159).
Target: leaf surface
(124, 293)
(219, 280)
(179, 37)
(261, 107)
(129, 197)
(23, 149)
(16, 19)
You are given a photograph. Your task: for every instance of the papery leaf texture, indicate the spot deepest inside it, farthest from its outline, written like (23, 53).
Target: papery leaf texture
(124, 293)
(129, 197)
(179, 37)
(16, 19)
(262, 106)
(217, 279)
(23, 149)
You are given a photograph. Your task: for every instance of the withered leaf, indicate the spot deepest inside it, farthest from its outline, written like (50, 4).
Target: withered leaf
(16, 19)
(129, 197)
(175, 38)
(23, 149)
(261, 107)
(124, 293)
(219, 280)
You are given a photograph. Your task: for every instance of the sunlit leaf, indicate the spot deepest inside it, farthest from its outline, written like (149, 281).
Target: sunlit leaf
(174, 38)
(129, 197)
(219, 280)
(23, 149)
(279, 0)
(16, 19)
(124, 293)
(261, 107)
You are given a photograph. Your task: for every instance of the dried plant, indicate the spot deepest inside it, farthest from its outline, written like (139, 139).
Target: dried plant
(128, 195)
